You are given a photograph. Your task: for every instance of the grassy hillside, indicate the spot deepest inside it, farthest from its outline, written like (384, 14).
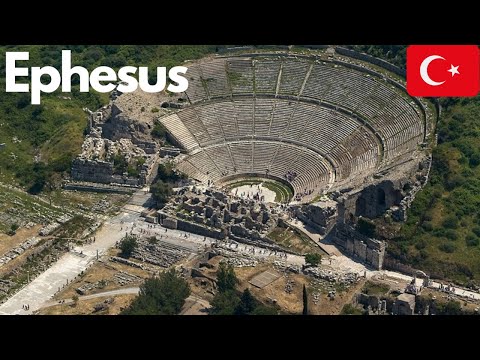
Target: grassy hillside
(442, 234)
(41, 140)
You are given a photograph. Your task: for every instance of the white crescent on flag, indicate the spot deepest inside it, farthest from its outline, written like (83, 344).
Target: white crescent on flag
(424, 70)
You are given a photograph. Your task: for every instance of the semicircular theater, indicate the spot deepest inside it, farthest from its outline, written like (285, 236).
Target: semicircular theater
(319, 121)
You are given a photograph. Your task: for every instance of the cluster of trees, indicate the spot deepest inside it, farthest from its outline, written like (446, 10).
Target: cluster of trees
(166, 172)
(167, 176)
(121, 165)
(161, 191)
(163, 295)
(228, 301)
(395, 54)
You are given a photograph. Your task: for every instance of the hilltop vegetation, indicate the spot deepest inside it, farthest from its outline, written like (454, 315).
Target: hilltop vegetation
(442, 234)
(395, 54)
(41, 140)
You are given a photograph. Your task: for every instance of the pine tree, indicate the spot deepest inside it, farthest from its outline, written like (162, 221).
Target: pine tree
(247, 303)
(305, 301)
(226, 278)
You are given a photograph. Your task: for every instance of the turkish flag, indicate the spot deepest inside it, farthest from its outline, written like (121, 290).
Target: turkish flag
(443, 70)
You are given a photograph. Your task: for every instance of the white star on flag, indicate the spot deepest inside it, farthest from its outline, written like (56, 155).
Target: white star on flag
(454, 70)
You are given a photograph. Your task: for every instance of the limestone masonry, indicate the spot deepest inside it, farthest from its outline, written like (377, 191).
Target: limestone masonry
(342, 135)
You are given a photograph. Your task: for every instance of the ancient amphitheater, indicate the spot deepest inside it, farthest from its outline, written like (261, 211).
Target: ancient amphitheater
(334, 129)
(330, 123)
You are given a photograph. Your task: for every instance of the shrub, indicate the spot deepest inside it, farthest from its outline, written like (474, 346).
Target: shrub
(476, 230)
(439, 232)
(421, 244)
(423, 254)
(313, 259)
(13, 230)
(159, 130)
(447, 248)
(152, 240)
(427, 226)
(451, 234)
(475, 160)
(450, 222)
(75, 299)
(472, 240)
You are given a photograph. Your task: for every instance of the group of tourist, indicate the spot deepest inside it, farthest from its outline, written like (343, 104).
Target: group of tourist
(299, 195)
(254, 195)
(290, 175)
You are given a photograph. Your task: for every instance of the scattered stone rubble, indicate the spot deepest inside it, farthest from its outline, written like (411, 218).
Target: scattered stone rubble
(48, 229)
(331, 276)
(18, 250)
(127, 262)
(289, 285)
(102, 206)
(161, 253)
(87, 287)
(235, 258)
(123, 278)
(102, 306)
(5, 286)
(121, 128)
(23, 210)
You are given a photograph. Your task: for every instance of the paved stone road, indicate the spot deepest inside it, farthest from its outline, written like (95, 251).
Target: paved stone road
(70, 265)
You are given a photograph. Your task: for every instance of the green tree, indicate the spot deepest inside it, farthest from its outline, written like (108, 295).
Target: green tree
(450, 308)
(166, 172)
(127, 245)
(264, 310)
(13, 229)
(226, 278)
(40, 177)
(450, 222)
(305, 300)
(120, 164)
(159, 130)
(164, 295)
(366, 227)
(313, 259)
(225, 303)
(247, 303)
(472, 240)
(161, 191)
